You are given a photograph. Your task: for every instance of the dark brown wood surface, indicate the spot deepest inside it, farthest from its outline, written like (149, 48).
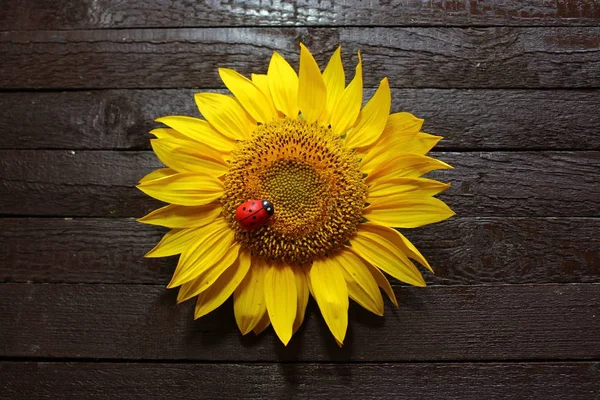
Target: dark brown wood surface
(467, 119)
(454, 323)
(87, 14)
(102, 183)
(499, 57)
(462, 250)
(466, 381)
(514, 308)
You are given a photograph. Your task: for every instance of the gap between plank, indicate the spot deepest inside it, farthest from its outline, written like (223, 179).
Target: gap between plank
(300, 362)
(318, 26)
(214, 88)
(442, 149)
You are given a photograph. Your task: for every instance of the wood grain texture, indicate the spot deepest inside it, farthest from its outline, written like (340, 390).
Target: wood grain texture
(473, 119)
(567, 380)
(463, 251)
(496, 322)
(70, 183)
(513, 311)
(101, 183)
(87, 14)
(411, 57)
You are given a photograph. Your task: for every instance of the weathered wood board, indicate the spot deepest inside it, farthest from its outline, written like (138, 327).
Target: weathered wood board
(513, 310)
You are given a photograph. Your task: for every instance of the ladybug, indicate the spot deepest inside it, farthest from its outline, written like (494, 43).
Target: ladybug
(254, 213)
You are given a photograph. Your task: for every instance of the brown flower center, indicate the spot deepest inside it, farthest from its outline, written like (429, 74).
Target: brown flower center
(313, 182)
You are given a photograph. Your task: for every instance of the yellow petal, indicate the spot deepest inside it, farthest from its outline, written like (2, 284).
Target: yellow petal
(302, 295)
(283, 83)
(262, 82)
(174, 216)
(402, 126)
(422, 143)
(249, 297)
(199, 131)
(207, 276)
(331, 293)
(249, 95)
(168, 133)
(400, 130)
(184, 189)
(408, 165)
(220, 291)
(280, 296)
(189, 157)
(226, 115)
(212, 242)
(407, 211)
(262, 324)
(173, 242)
(362, 287)
(411, 251)
(383, 283)
(158, 174)
(335, 79)
(346, 110)
(385, 188)
(372, 118)
(381, 246)
(312, 94)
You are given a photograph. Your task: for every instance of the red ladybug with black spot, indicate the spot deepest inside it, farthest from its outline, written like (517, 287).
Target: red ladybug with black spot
(253, 214)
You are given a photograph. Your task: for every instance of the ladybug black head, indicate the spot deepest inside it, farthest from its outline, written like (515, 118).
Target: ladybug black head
(268, 206)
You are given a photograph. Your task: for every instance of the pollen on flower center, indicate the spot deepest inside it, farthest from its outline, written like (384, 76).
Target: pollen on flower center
(313, 182)
(300, 195)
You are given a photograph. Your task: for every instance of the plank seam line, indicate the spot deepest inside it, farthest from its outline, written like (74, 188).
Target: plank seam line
(587, 23)
(4, 216)
(470, 88)
(222, 88)
(133, 218)
(94, 360)
(439, 149)
(395, 285)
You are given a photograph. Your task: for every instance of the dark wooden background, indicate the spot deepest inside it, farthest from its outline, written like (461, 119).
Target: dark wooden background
(513, 311)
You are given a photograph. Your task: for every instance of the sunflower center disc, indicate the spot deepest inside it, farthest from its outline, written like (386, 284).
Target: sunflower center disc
(313, 181)
(300, 195)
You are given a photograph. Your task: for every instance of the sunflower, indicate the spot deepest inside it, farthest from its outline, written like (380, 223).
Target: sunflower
(337, 177)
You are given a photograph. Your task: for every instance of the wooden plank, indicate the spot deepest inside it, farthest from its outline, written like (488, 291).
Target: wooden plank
(89, 14)
(474, 119)
(37, 380)
(101, 183)
(80, 251)
(70, 183)
(495, 322)
(553, 57)
(463, 251)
